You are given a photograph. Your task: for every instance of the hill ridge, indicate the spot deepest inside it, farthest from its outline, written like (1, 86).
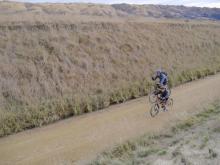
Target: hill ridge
(114, 10)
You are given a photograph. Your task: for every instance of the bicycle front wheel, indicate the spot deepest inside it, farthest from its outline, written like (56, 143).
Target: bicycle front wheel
(154, 110)
(152, 97)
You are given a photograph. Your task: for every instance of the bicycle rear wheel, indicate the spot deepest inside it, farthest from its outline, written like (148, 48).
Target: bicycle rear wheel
(154, 110)
(169, 90)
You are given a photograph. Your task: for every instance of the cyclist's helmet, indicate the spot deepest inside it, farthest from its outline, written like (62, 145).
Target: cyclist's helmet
(158, 72)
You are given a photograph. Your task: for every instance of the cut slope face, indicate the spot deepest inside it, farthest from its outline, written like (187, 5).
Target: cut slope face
(76, 140)
(41, 61)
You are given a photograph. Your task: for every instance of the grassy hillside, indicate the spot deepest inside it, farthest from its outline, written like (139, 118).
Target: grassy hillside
(193, 141)
(50, 70)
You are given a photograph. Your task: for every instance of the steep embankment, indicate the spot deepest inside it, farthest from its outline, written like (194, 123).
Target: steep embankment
(77, 140)
(50, 70)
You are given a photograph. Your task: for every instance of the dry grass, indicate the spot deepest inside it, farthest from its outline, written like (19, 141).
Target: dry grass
(50, 70)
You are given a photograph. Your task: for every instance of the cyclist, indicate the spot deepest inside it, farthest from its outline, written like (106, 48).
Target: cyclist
(163, 78)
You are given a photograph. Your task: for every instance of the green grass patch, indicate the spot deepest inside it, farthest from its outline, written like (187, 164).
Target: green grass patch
(204, 142)
(162, 152)
(215, 109)
(217, 130)
(147, 152)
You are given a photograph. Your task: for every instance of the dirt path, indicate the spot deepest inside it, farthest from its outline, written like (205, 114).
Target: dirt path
(80, 138)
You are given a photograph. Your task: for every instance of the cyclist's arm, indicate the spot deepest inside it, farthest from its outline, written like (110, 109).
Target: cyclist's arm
(154, 77)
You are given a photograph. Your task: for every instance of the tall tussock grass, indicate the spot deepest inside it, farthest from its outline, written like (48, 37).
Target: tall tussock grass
(51, 71)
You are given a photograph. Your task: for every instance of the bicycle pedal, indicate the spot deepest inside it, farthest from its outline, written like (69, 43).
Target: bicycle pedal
(165, 109)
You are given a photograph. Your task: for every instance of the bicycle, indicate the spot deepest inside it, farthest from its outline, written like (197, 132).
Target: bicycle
(158, 106)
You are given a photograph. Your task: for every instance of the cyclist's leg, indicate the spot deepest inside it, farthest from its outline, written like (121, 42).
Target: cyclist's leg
(160, 87)
(157, 89)
(163, 104)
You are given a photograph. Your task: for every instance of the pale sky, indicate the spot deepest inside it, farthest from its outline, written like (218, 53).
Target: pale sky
(199, 3)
